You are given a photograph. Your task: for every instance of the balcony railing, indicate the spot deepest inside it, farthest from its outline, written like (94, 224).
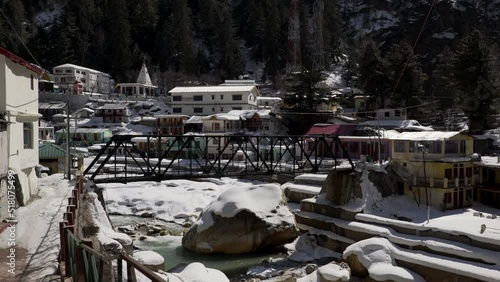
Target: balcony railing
(445, 182)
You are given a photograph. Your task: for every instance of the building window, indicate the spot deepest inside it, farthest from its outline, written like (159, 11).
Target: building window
(177, 110)
(177, 98)
(213, 109)
(397, 113)
(67, 71)
(387, 114)
(83, 72)
(216, 126)
(454, 146)
(198, 98)
(237, 108)
(63, 80)
(222, 97)
(222, 109)
(447, 198)
(237, 97)
(198, 110)
(213, 97)
(400, 146)
(32, 83)
(28, 135)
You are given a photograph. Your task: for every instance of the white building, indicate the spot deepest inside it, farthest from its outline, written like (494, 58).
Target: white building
(143, 87)
(19, 104)
(45, 131)
(92, 80)
(208, 100)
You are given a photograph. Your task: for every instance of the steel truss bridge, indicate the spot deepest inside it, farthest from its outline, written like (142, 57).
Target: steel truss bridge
(129, 158)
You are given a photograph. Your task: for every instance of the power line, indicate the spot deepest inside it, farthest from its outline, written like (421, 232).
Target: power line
(366, 112)
(413, 48)
(19, 38)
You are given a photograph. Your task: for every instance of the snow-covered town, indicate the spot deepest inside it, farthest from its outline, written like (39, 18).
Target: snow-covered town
(214, 141)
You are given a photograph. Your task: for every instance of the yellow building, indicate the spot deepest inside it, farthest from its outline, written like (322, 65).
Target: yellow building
(439, 162)
(488, 193)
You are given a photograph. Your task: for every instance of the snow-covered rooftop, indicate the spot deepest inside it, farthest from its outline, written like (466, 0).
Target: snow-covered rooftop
(212, 89)
(426, 135)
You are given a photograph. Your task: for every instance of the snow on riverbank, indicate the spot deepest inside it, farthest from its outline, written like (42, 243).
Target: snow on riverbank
(172, 200)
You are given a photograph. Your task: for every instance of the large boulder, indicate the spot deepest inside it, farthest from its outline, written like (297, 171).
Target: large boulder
(243, 220)
(341, 185)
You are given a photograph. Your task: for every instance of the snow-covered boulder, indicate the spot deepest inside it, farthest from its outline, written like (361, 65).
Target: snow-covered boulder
(331, 272)
(196, 272)
(94, 222)
(242, 220)
(152, 260)
(376, 256)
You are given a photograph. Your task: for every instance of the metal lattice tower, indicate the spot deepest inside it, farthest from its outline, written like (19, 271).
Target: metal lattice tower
(294, 60)
(318, 56)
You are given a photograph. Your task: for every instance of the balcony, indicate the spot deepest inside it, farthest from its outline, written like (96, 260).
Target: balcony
(445, 182)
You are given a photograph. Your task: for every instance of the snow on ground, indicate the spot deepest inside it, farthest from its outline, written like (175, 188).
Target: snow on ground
(173, 200)
(38, 227)
(306, 249)
(458, 221)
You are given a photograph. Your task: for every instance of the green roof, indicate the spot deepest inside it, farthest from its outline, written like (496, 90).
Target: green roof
(53, 151)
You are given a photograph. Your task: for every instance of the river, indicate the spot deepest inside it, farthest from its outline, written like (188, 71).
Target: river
(170, 248)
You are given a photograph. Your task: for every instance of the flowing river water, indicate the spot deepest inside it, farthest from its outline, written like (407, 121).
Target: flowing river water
(170, 248)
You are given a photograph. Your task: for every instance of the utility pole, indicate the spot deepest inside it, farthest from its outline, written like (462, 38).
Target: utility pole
(68, 152)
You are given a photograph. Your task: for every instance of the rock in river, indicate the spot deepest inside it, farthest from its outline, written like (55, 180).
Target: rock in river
(243, 220)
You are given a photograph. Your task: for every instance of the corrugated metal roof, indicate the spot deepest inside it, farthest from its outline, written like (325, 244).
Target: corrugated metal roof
(113, 107)
(51, 105)
(53, 151)
(213, 89)
(425, 135)
(332, 129)
(84, 130)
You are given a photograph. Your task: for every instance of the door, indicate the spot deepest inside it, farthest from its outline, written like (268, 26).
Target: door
(461, 199)
(455, 200)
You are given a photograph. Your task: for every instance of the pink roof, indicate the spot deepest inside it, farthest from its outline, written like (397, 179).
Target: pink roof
(332, 129)
(21, 61)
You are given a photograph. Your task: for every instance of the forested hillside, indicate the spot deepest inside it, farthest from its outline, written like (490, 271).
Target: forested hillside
(186, 41)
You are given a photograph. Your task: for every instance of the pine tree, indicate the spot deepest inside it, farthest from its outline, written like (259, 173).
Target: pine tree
(475, 80)
(118, 32)
(144, 18)
(305, 92)
(410, 90)
(14, 11)
(180, 45)
(274, 41)
(373, 77)
(332, 31)
(442, 80)
(63, 39)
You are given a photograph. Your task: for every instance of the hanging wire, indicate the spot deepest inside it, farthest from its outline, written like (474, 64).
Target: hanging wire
(19, 38)
(413, 48)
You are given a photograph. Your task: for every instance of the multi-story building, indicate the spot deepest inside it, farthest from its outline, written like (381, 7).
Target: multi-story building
(170, 124)
(488, 192)
(4, 169)
(51, 108)
(84, 136)
(19, 106)
(207, 100)
(45, 131)
(92, 80)
(441, 163)
(112, 113)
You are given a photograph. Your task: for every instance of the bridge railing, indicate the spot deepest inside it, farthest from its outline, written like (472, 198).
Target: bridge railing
(157, 157)
(78, 261)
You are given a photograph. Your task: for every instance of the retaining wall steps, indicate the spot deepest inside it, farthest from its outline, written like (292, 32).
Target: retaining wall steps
(337, 227)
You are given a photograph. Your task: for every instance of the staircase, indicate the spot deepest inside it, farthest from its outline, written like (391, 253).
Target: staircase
(402, 172)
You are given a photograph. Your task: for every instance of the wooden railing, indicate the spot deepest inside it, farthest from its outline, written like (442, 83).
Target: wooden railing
(78, 261)
(445, 182)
